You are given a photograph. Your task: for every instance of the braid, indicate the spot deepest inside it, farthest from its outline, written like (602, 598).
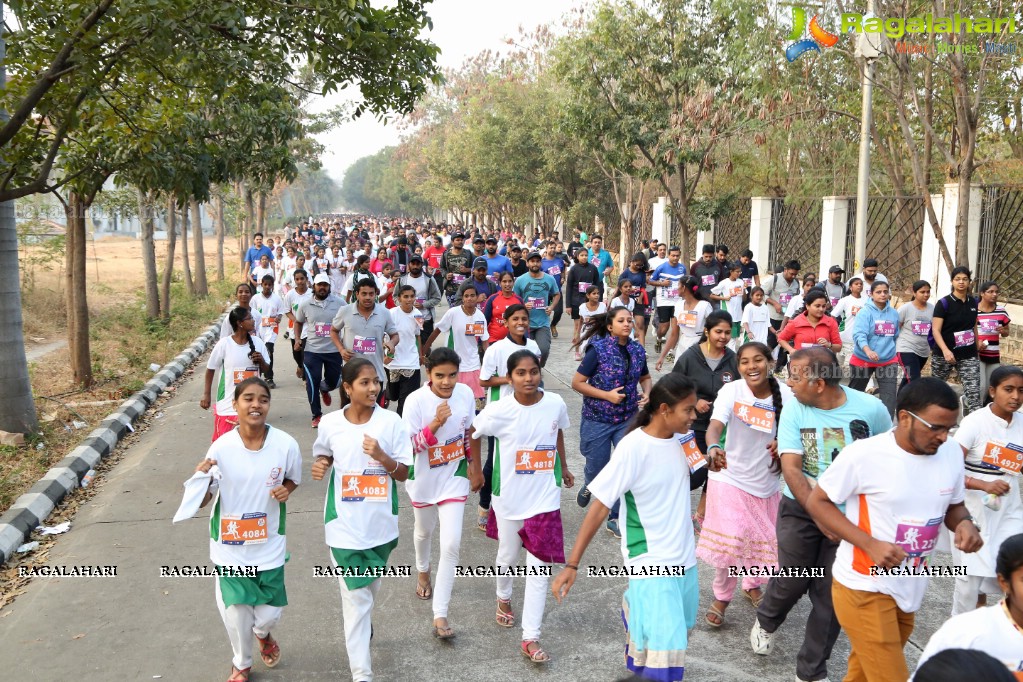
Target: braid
(776, 398)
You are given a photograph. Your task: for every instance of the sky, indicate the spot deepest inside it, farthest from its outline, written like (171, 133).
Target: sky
(461, 28)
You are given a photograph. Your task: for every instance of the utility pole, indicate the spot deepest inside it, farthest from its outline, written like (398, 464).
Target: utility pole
(869, 52)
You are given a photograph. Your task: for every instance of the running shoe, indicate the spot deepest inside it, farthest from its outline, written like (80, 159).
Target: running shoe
(657, 344)
(670, 359)
(316, 422)
(271, 384)
(800, 679)
(554, 332)
(612, 528)
(583, 498)
(760, 639)
(325, 397)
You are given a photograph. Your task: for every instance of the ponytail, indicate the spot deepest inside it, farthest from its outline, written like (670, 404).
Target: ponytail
(775, 466)
(671, 389)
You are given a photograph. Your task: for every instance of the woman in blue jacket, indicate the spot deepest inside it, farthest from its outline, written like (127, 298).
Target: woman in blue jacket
(874, 334)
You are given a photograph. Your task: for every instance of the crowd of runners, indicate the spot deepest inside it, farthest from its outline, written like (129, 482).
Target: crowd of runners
(828, 465)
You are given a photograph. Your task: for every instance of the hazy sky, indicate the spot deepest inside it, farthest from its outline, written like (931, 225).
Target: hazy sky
(461, 28)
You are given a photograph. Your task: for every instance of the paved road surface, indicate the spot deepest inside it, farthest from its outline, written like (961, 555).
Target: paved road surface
(138, 626)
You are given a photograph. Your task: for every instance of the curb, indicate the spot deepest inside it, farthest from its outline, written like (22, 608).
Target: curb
(32, 508)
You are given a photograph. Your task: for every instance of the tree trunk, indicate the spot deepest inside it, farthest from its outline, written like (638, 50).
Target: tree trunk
(247, 228)
(168, 268)
(201, 287)
(187, 266)
(17, 409)
(149, 256)
(220, 237)
(261, 214)
(78, 308)
(963, 215)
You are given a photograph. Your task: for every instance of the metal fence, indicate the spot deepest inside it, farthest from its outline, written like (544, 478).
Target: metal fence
(732, 228)
(894, 234)
(795, 232)
(1001, 239)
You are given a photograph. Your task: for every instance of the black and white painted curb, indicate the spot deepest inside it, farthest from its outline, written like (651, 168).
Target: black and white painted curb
(32, 508)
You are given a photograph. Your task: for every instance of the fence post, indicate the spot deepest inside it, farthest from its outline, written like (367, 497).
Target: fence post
(834, 225)
(702, 237)
(660, 225)
(932, 267)
(760, 232)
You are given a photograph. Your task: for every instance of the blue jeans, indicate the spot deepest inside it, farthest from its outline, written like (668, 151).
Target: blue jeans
(596, 439)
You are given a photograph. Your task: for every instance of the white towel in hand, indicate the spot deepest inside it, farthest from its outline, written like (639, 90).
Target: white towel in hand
(195, 491)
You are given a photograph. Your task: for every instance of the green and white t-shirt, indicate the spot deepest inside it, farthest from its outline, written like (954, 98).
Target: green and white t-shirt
(235, 367)
(361, 510)
(293, 300)
(247, 525)
(651, 477)
(527, 470)
(495, 364)
(466, 332)
(441, 471)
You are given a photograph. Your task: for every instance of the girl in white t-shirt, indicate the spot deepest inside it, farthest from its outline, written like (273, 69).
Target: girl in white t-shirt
(529, 470)
(237, 357)
(258, 467)
(686, 323)
(649, 469)
(992, 441)
(744, 483)
(622, 297)
(849, 306)
(438, 416)
(587, 311)
(366, 449)
(756, 320)
(468, 334)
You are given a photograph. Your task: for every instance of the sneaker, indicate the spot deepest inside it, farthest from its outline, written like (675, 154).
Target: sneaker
(325, 397)
(670, 359)
(657, 344)
(612, 528)
(554, 332)
(760, 639)
(271, 384)
(800, 679)
(583, 498)
(316, 422)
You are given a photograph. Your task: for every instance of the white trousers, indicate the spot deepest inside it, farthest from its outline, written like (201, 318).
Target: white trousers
(356, 613)
(508, 546)
(968, 588)
(242, 621)
(450, 515)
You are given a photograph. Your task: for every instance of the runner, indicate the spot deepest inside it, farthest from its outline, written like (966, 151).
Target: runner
(743, 488)
(756, 321)
(614, 381)
(812, 327)
(554, 265)
(992, 324)
(888, 524)
(992, 441)
(529, 429)
(243, 299)
(271, 309)
(402, 364)
(823, 419)
(706, 271)
(366, 449)
(496, 305)
(622, 297)
(874, 337)
(730, 292)
(592, 307)
(541, 293)
(260, 466)
(845, 312)
(580, 278)
(996, 630)
(650, 472)
(666, 279)
(366, 329)
(454, 266)
(796, 303)
(637, 274)
(321, 363)
(778, 291)
(601, 259)
(427, 293)
(238, 357)
(261, 270)
(467, 331)
(686, 323)
(954, 329)
(296, 297)
(913, 344)
(253, 255)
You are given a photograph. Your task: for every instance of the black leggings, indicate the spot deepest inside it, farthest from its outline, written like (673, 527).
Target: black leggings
(270, 372)
(402, 388)
(488, 474)
(298, 354)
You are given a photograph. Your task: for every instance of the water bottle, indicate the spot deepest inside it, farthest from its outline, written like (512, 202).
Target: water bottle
(87, 479)
(993, 502)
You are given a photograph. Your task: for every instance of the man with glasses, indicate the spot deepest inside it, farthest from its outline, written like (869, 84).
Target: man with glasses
(900, 489)
(811, 432)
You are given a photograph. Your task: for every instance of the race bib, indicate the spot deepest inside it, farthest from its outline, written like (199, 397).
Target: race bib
(806, 344)
(322, 330)
(457, 279)
(708, 280)
(452, 451)
(784, 299)
(363, 488)
(554, 271)
(964, 338)
(474, 329)
(539, 461)
(987, 326)
(689, 319)
(748, 281)
(420, 321)
(834, 301)
(918, 540)
(694, 458)
(735, 291)
(757, 416)
(240, 375)
(920, 328)
(882, 328)
(583, 286)
(854, 310)
(402, 267)
(671, 292)
(363, 344)
(247, 529)
(269, 321)
(537, 302)
(1006, 456)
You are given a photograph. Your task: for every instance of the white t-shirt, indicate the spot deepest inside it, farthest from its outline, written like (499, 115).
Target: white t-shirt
(245, 523)
(690, 321)
(466, 332)
(988, 629)
(895, 497)
(422, 286)
(585, 313)
(268, 309)
(258, 272)
(225, 326)
(735, 289)
(235, 367)
(361, 510)
(616, 302)
(651, 477)
(292, 301)
(441, 471)
(408, 326)
(527, 469)
(850, 307)
(794, 305)
(751, 425)
(495, 363)
(758, 319)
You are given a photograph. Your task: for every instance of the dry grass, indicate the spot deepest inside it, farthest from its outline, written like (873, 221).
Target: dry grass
(123, 345)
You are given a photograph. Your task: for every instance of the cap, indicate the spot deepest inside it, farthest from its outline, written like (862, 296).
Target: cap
(321, 279)
(516, 247)
(478, 240)
(836, 268)
(479, 263)
(403, 241)
(458, 235)
(533, 254)
(491, 240)
(870, 263)
(416, 258)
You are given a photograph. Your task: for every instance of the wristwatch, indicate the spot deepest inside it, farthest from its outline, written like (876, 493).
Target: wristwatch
(969, 518)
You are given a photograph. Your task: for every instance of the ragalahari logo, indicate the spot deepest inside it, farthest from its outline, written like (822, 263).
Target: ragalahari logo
(818, 36)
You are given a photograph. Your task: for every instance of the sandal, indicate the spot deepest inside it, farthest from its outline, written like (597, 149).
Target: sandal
(443, 631)
(537, 655)
(715, 611)
(269, 651)
(424, 592)
(239, 675)
(505, 619)
(754, 600)
(481, 519)
(697, 523)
